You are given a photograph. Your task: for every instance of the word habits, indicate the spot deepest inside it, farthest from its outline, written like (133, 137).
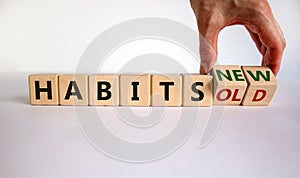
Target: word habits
(228, 85)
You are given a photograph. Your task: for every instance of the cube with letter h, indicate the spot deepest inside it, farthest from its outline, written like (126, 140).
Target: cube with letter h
(43, 89)
(262, 85)
(229, 85)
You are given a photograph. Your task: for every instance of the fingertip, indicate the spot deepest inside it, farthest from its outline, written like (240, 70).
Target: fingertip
(274, 68)
(202, 70)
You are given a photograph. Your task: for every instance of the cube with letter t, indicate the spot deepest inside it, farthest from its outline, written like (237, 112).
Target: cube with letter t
(229, 85)
(262, 85)
(166, 90)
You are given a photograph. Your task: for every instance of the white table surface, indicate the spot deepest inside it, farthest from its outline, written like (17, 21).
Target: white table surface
(46, 141)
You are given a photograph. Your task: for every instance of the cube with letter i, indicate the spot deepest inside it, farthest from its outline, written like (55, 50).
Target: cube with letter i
(229, 85)
(135, 90)
(262, 85)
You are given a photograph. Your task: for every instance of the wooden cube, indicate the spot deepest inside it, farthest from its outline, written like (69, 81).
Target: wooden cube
(135, 90)
(103, 90)
(43, 89)
(73, 89)
(229, 85)
(166, 90)
(196, 90)
(262, 85)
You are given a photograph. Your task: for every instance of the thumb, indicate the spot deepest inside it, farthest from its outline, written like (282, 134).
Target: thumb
(208, 51)
(209, 25)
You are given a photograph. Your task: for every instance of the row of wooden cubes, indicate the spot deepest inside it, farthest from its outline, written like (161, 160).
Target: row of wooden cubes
(228, 85)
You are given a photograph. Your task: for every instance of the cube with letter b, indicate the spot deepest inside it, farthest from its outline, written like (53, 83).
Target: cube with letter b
(262, 85)
(229, 85)
(104, 90)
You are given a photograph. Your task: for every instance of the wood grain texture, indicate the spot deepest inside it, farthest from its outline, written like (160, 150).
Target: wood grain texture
(73, 89)
(229, 85)
(262, 86)
(166, 90)
(104, 90)
(38, 85)
(135, 89)
(197, 90)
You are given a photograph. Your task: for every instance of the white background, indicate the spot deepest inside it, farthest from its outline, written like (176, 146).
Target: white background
(50, 36)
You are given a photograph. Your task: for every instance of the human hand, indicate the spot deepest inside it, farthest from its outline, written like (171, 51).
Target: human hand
(214, 15)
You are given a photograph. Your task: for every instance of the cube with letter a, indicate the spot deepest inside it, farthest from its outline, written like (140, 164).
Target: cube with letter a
(262, 85)
(229, 85)
(73, 89)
